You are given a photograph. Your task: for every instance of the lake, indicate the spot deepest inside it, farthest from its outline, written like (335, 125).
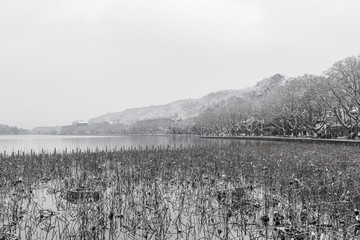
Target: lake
(37, 143)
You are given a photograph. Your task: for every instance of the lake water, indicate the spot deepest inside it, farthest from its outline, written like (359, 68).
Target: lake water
(37, 143)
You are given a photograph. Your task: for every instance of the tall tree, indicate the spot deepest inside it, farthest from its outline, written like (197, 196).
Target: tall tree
(312, 111)
(343, 92)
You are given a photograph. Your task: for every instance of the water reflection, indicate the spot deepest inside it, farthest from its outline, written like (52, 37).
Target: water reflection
(37, 143)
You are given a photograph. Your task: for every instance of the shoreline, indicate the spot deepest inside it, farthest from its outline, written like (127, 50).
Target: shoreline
(288, 139)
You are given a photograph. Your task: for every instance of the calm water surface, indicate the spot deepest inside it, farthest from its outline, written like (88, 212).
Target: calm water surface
(37, 143)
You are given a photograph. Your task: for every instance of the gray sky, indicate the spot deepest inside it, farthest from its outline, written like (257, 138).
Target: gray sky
(68, 60)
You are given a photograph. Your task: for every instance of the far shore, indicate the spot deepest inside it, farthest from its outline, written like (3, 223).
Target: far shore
(289, 139)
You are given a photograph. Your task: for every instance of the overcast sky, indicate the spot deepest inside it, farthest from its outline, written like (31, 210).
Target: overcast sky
(69, 60)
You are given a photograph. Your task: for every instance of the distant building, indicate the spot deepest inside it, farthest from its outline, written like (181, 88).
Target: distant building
(80, 123)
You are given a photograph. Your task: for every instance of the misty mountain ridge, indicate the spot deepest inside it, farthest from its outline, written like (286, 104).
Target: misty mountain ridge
(189, 108)
(180, 109)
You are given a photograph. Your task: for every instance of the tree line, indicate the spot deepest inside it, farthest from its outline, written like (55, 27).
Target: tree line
(326, 105)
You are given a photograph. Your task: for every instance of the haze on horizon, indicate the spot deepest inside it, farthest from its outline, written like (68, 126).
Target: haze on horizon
(62, 61)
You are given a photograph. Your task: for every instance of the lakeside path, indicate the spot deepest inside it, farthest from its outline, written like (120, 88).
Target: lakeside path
(288, 139)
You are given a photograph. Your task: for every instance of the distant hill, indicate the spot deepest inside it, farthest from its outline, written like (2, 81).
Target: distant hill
(8, 130)
(181, 109)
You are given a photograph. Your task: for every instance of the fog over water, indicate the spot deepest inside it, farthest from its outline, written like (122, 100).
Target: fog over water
(37, 143)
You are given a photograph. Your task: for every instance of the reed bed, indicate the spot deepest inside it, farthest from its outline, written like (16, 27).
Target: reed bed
(247, 191)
